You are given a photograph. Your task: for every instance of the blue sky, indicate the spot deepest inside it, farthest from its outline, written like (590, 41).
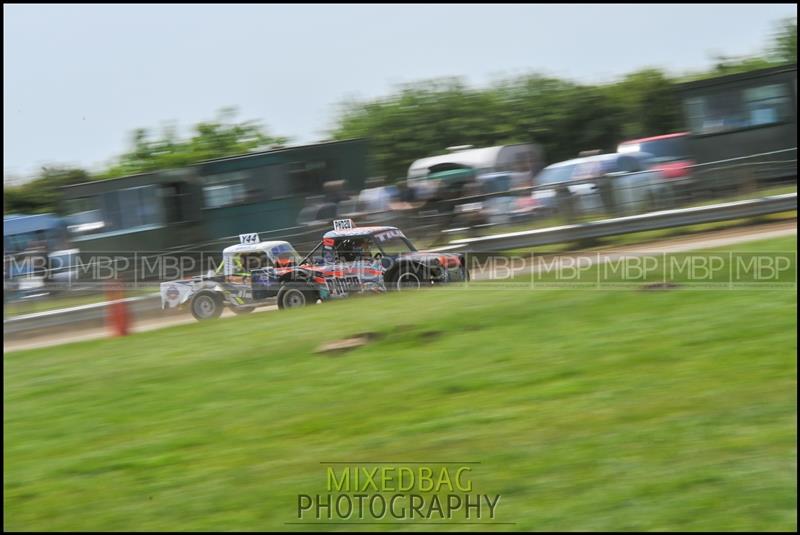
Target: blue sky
(78, 79)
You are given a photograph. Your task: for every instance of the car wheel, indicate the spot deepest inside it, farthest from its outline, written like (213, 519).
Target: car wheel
(295, 297)
(206, 306)
(407, 280)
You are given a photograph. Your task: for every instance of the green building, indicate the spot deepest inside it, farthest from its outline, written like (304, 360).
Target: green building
(743, 124)
(214, 199)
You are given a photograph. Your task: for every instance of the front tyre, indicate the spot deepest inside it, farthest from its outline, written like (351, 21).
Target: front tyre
(295, 297)
(206, 306)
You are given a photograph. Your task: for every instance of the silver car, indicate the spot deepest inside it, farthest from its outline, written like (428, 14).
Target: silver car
(617, 183)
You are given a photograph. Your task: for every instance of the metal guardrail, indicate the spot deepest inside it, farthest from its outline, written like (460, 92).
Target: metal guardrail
(626, 225)
(93, 313)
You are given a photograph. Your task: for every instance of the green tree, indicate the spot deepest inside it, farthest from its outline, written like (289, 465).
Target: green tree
(784, 41)
(418, 120)
(423, 119)
(647, 102)
(214, 139)
(42, 194)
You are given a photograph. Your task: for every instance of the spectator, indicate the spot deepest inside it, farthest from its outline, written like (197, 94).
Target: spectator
(522, 175)
(375, 197)
(405, 199)
(334, 191)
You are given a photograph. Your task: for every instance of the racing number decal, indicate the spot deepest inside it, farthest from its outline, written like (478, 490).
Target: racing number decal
(249, 238)
(343, 285)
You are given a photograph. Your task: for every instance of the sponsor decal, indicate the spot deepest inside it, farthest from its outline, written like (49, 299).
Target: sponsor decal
(389, 234)
(173, 293)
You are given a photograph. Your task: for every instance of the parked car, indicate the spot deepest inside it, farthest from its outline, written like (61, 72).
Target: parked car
(669, 154)
(443, 176)
(617, 183)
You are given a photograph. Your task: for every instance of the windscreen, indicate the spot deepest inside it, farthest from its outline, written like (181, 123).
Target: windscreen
(284, 253)
(554, 175)
(663, 149)
(393, 242)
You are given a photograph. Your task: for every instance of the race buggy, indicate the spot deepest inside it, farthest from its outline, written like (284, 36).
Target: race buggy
(387, 251)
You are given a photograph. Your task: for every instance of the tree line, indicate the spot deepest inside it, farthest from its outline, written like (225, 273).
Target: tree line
(424, 118)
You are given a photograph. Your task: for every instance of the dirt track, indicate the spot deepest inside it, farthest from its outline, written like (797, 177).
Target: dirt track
(707, 240)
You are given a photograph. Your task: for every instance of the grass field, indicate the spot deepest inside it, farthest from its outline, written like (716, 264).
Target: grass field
(587, 410)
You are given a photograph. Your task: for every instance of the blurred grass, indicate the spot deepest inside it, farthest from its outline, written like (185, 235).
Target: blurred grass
(588, 410)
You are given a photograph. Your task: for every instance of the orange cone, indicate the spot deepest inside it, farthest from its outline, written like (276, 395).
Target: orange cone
(117, 316)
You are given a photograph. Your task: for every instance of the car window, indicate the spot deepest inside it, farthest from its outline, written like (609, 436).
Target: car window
(670, 148)
(396, 245)
(317, 255)
(284, 253)
(256, 260)
(553, 175)
(631, 163)
(393, 242)
(354, 249)
(593, 169)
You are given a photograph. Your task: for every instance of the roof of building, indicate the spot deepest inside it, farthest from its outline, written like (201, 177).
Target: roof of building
(168, 174)
(22, 223)
(736, 77)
